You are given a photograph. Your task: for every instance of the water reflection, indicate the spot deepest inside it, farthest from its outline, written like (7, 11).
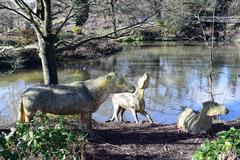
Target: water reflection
(179, 77)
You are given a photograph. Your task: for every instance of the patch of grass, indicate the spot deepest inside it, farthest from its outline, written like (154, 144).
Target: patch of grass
(132, 39)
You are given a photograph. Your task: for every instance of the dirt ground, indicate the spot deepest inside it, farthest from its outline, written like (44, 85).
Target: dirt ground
(119, 141)
(143, 141)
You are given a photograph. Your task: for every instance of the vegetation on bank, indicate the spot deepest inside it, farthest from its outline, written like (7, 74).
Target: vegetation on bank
(41, 139)
(225, 146)
(29, 58)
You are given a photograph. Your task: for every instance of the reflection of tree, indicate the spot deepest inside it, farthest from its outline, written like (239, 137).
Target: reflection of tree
(233, 79)
(9, 97)
(211, 35)
(174, 77)
(167, 76)
(29, 77)
(210, 77)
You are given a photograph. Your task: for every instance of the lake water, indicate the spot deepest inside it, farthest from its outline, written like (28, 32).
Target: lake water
(179, 77)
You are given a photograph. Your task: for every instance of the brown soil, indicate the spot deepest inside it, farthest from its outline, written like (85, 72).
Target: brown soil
(119, 141)
(143, 141)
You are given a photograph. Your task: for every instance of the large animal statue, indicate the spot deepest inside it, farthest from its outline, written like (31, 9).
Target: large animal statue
(133, 102)
(82, 97)
(194, 122)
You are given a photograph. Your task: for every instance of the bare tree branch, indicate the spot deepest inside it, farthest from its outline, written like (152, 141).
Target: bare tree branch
(66, 19)
(70, 15)
(73, 46)
(15, 11)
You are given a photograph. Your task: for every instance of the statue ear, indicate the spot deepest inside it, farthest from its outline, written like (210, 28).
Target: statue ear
(207, 107)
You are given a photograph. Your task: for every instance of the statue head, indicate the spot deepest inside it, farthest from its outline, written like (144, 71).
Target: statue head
(143, 82)
(118, 84)
(214, 109)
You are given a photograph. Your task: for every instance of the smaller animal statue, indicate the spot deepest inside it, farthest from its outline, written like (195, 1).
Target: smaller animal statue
(133, 102)
(194, 122)
(81, 97)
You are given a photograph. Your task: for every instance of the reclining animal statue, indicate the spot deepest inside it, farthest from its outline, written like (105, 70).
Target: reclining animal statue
(131, 101)
(81, 97)
(194, 122)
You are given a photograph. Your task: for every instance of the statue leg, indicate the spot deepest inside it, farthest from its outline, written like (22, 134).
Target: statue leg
(147, 115)
(134, 115)
(121, 112)
(28, 115)
(115, 113)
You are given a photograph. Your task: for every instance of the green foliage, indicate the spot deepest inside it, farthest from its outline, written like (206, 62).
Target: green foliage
(127, 39)
(76, 29)
(27, 36)
(39, 139)
(140, 38)
(227, 141)
(132, 38)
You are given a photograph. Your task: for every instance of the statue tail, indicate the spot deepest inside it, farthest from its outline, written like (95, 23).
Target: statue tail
(21, 112)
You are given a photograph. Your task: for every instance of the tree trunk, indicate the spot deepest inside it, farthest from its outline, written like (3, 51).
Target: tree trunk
(46, 41)
(114, 21)
(114, 26)
(47, 54)
(157, 9)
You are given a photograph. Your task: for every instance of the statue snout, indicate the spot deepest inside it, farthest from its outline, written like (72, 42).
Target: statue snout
(226, 111)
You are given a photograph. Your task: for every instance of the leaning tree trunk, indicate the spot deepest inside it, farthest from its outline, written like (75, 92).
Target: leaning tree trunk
(47, 54)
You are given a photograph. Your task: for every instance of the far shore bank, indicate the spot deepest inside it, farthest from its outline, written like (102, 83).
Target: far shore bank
(27, 57)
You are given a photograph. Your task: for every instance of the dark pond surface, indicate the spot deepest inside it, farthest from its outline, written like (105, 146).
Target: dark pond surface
(179, 77)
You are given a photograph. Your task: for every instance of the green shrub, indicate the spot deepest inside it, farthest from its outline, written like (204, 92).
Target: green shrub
(132, 38)
(76, 29)
(140, 38)
(227, 142)
(39, 139)
(127, 39)
(159, 23)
